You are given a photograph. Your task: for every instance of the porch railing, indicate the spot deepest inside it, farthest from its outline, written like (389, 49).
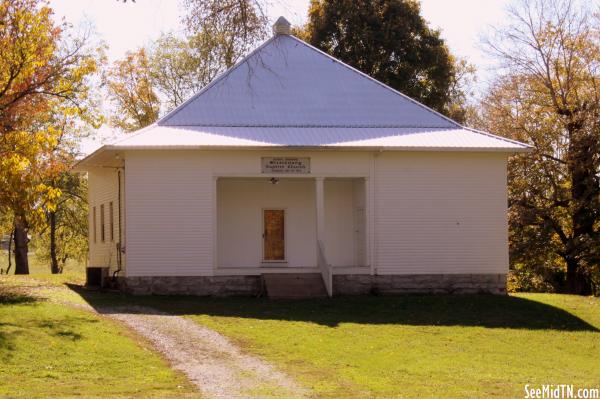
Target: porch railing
(326, 269)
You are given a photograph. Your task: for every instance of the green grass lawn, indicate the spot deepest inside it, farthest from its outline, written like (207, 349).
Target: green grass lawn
(416, 346)
(74, 271)
(51, 350)
(351, 347)
(412, 346)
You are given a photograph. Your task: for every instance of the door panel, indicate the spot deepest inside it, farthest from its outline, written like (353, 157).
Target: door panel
(274, 234)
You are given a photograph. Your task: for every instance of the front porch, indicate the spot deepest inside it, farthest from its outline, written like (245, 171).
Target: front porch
(291, 225)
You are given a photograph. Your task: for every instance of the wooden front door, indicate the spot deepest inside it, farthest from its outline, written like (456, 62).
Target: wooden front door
(274, 235)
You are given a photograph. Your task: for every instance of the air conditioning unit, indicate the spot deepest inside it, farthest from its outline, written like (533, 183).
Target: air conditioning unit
(96, 277)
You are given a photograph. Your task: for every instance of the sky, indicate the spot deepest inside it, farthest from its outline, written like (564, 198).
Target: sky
(127, 26)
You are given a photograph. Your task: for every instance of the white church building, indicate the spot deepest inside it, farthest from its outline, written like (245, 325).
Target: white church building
(293, 174)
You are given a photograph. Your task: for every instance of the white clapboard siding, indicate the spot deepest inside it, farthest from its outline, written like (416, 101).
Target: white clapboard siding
(340, 245)
(360, 221)
(440, 213)
(434, 212)
(169, 206)
(103, 189)
(240, 207)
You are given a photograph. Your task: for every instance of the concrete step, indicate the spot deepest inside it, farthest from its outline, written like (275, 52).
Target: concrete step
(294, 285)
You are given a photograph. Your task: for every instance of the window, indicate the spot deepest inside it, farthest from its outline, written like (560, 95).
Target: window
(111, 221)
(94, 223)
(102, 235)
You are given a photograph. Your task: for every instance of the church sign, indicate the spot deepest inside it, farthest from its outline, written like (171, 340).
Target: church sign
(285, 165)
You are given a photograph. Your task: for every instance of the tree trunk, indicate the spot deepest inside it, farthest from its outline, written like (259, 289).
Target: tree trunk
(21, 246)
(54, 268)
(584, 190)
(578, 282)
(12, 234)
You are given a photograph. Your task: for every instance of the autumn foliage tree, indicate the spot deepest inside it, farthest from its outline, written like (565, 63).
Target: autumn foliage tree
(63, 236)
(225, 29)
(62, 232)
(130, 87)
(548, 95)
(178, 69)
(150, 82)
(44, 75)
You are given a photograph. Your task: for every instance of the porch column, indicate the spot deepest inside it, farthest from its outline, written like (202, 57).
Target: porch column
(368, 222)
(215, 222)
(320, 207)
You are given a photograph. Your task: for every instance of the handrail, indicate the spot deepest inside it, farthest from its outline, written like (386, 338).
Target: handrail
(326, 269)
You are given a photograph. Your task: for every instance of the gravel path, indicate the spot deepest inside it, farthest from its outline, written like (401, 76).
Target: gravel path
(217, 367)
(213, 363)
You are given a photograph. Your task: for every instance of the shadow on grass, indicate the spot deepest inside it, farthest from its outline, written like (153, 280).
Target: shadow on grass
(65, 326)
(9, 330)
(17, 320)
(7, 345)
(440, 310)
(11, 296)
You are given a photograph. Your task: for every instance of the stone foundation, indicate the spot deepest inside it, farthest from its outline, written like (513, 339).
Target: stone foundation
(343, 284)
(192, 285)
(361, 284)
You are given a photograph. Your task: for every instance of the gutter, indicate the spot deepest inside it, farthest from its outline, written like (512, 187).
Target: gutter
(323, 148)
(120, 249)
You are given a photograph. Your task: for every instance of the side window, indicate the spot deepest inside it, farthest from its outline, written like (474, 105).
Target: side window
(94, 229)
(111, 221)
(102, 231)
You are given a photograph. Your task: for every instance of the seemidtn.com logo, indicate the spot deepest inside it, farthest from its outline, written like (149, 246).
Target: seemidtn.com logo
(560, 391)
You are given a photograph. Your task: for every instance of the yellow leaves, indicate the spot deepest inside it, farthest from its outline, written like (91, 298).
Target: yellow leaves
(47, 139)
(20, 152)
(130, 87)
(24, 176)
(48, 195)
(79, 73)
(27, 43)
(45, 101)
(13, 163)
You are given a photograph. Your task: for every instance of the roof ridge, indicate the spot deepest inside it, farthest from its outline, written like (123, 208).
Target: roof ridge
(406, 97)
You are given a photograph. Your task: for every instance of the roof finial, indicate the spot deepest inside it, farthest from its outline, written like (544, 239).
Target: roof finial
(282, 27)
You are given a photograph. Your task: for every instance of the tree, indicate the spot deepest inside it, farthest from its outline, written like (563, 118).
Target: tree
(461, 104)
(176, 70)
(6, 237)
(548, 95)
(63, 230)
(231, 28)
(64, 235)
(217, 35)
(43, 70)
(388, 40)
(181, 67)
(129, 84)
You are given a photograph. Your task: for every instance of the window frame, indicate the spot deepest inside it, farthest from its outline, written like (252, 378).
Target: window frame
(94, 225)
(111, 221)
(102, 224)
